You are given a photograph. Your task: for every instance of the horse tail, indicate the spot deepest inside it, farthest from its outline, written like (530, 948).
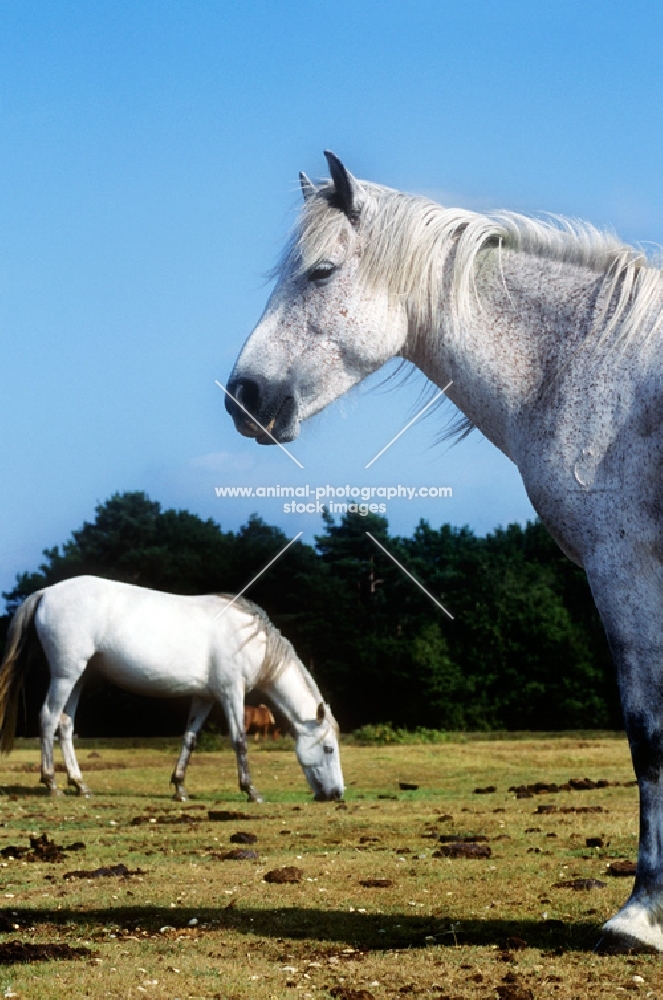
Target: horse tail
(14, 668)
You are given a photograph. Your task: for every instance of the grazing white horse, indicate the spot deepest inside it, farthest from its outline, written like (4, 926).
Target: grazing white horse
(166, 645)
(551, 333)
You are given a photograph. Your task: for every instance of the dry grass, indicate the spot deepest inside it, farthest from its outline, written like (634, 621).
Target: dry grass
(443, 928)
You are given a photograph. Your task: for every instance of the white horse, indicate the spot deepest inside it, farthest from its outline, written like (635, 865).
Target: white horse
(551, 333)
(166, 645)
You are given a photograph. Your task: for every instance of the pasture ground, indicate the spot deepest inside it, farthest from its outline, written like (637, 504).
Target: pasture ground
(191, 925)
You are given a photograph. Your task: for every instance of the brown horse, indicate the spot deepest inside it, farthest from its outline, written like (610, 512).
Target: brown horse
(258, 719)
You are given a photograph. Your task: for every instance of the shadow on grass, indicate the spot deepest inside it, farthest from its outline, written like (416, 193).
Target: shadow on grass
(367, 932)
(36, 790)
(39, 790)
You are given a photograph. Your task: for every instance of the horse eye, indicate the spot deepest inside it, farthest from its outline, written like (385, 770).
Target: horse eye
(321, 272)
(328, 749)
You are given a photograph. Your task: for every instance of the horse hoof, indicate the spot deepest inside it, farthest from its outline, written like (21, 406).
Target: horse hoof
(79, 787)
(612, 943)
(635, 929)
(181, 796)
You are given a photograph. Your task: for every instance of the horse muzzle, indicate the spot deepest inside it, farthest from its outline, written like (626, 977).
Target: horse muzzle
(269, 418)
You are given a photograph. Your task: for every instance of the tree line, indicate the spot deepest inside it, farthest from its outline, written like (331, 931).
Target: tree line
(525, 648)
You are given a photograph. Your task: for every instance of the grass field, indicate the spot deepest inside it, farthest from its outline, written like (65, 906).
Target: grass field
(191, 924)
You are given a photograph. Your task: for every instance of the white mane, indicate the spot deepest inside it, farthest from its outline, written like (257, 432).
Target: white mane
(406, 239)
(279, 651)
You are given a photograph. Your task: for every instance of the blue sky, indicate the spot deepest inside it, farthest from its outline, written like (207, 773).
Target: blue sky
(148, 178)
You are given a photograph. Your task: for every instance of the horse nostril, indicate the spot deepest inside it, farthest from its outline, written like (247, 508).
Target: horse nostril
(246, 392)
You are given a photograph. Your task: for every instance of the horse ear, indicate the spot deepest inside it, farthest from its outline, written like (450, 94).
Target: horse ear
(320, 714)
(345, 185)
(308, 187)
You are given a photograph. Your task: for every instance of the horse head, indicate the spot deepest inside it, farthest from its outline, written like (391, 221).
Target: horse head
(317, 750)
(325, 326)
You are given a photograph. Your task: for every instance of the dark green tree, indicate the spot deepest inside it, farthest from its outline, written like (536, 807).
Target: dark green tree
(525, 648)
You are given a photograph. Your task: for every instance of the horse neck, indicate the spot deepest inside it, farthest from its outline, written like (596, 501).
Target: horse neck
(526, 316)
(292, 694)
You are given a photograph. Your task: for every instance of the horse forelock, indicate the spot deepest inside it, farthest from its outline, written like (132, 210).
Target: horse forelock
(406, 240)
(316, 237)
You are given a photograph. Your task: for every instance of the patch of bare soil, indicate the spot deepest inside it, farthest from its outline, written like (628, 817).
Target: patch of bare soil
(580, 884)
(13, 952)
(238, 854)
(464, 849)
(546, 810)
(242, 837)
(226, 815)
(488, 790)
(512, 988)
(286, 875)
(572, 785)
(376, 883)
(121, 871)
(167, 818)
(457, 838)
(348, 993)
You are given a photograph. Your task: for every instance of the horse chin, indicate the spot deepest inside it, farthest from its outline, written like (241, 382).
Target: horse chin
(278, 435)
(283, 427)
(280, 427)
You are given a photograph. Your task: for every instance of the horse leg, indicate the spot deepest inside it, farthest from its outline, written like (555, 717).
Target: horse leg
(50, 719)
(234, 708)
(632, 608)
(74, 776)
(243, 773)
(200, 709)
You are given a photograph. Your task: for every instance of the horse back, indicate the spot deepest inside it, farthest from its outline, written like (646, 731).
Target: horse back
(144, 640)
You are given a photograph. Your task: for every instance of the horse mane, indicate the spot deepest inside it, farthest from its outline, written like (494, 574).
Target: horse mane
(279, 651)
(407, 240)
